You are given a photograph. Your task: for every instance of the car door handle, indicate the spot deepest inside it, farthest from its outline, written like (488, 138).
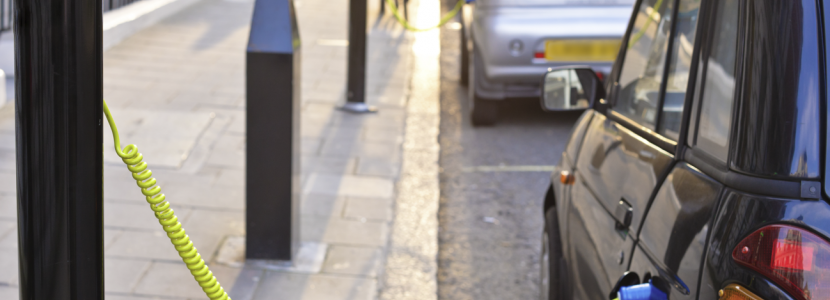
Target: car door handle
(623, 213)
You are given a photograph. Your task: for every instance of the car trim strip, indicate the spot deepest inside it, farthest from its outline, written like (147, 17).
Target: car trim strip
(653, 137)
(743, 182)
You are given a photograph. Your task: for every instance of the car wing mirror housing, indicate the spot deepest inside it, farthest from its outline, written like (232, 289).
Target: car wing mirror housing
(571, 88)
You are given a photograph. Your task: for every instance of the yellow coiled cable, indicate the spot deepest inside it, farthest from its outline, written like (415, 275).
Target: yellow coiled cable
(166, 215)
(405, 23)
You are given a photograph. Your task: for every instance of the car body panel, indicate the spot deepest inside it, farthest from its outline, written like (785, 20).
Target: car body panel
(619, 165)
(826, 22)
(597, 252)
(741, 214)
(562, 191)
(598, 247)
(673, 238)
(578, 134)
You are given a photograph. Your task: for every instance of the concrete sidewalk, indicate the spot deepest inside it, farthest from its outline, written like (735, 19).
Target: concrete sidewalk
(176, 90)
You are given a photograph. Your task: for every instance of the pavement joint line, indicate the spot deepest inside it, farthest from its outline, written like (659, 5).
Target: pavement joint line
(506, 168)
(333, 42)
(178, 206)
(148, 296)
(203, 144)
(144, 273)
(130, 229)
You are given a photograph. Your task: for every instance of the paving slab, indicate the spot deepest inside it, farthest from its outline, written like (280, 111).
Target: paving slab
(315, 287)
(8, 266)
(376, 209)
(344, 232)
(9, 240)
(348, 260)
(144, 245)
(122, 275)
(113, 296)
(9, 292)
(349, 185)
(8, 182)
(171, 279)
(8, 207)
(133, 216)
(322, 205)
(379, 166)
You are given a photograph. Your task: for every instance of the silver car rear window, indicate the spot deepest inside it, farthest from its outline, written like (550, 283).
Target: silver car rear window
(556, 2)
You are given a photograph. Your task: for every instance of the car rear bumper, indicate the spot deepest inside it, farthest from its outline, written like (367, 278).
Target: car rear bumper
(533, 73)
(520, 81)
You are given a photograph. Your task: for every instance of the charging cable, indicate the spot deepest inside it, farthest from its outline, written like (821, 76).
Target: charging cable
(167, 217)
(409, 27)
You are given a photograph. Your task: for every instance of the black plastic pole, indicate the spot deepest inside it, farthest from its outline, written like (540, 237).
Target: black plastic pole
(273, 131)
(356, 81)
(58, 109)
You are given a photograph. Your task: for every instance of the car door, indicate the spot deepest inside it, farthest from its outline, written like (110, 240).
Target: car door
(673, 239)
(621, 159)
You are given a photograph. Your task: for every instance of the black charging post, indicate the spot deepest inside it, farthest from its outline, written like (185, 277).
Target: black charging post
(356, 80)
(59, 115)
(273, 132)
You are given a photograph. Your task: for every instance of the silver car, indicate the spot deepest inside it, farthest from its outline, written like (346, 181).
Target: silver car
(507, 45)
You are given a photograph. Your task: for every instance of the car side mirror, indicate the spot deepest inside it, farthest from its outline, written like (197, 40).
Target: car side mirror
(570, 88)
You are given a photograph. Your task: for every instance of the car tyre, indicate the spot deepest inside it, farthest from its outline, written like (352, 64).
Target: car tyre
(552, 260)
(482, 112)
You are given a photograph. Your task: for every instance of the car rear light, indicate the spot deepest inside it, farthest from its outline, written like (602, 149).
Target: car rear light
(539, 55)
(736, 292)
(795, 259)
(600, 75)
(567, 178)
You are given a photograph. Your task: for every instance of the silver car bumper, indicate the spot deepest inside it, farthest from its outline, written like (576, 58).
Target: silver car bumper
(510, 73)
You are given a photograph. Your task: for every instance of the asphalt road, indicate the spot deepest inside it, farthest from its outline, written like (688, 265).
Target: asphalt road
(493, 180)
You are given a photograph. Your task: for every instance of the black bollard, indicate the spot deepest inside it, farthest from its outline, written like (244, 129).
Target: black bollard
(356, 80)
(59, 115)
(273, 132)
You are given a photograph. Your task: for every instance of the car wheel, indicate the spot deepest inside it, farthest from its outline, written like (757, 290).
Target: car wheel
(464, 79)
(550, 287)
(482, 112)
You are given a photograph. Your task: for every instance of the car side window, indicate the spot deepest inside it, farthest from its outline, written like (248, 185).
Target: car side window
(679, 67)
(718, 84)
(643, 65)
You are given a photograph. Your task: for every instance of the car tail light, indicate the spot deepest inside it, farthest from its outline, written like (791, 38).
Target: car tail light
(736, 292)
(795, 259)
(539, 55)
(600, 75)
(567, 178)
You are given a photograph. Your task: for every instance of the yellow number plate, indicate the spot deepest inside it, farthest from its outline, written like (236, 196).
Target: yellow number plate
(581, 50)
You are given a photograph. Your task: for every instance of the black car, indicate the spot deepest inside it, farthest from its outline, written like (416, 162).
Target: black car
(699, 168)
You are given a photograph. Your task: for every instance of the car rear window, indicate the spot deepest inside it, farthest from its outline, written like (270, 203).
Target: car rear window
(777, 133)
(556, 2)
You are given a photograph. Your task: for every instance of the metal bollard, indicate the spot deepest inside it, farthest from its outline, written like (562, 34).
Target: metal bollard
(273, 132)
(59, 113)
(356, 81)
